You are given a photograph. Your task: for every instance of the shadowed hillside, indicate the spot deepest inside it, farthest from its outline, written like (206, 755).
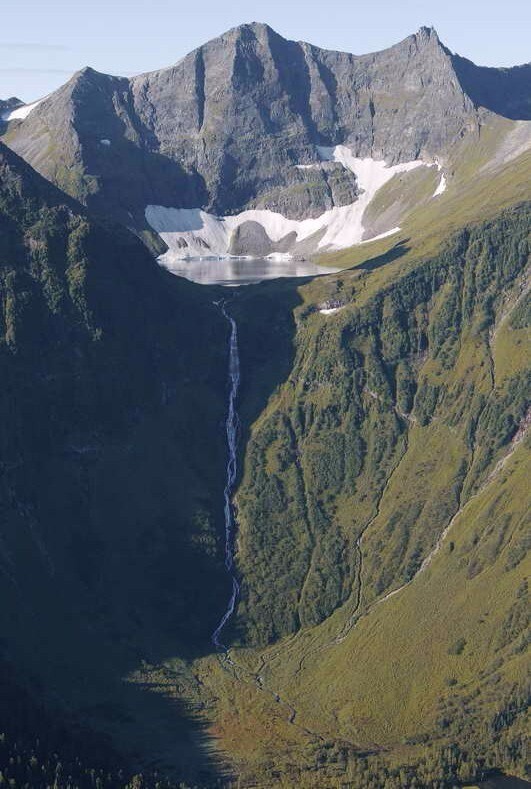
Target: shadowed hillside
(112, 461)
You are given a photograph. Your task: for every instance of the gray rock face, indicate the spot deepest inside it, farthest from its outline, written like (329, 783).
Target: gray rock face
(506, 91)
(229, 126)
(250, 238)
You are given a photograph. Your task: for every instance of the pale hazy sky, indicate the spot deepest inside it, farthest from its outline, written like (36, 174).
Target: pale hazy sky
(42, 42)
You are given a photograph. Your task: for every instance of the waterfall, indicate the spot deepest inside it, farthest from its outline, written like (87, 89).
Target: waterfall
(231, 426)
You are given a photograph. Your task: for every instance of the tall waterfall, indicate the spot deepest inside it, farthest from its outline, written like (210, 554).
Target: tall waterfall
(231, 426)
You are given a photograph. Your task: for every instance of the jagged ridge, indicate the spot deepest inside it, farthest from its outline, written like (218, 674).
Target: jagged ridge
(226, 127)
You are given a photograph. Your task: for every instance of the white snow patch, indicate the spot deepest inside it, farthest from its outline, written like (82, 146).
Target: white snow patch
(19, 113)
(279, 257)
(441, 187)
(105, 142)
(191, 232)
(382, 235)
(330, 310)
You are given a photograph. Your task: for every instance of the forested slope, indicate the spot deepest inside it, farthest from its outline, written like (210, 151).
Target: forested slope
(112, 457)
(391, 417)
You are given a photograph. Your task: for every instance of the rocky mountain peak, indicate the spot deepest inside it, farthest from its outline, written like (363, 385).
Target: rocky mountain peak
(426, 42)
(425, 33)
(11, 102)
(89, 74)
(238, 123)
(6, 105)
(258, 28)
(246, 33)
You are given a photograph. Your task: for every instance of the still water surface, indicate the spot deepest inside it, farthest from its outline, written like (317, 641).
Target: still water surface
(241, 271)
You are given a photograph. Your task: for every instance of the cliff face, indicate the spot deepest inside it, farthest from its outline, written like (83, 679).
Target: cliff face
(505, 91)
(229, 126)
(248, 107)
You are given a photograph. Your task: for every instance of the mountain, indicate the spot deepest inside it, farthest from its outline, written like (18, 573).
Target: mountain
(251, 121)
(9, 104)
(364, 553)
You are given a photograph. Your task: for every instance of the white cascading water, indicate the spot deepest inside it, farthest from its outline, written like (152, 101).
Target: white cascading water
(231, 424)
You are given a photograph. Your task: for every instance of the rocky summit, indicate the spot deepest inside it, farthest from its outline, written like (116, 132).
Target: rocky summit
(238, 123)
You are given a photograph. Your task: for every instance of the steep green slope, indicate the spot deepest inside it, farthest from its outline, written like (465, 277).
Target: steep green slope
(384, 517)
(353, 441)
(112, 459)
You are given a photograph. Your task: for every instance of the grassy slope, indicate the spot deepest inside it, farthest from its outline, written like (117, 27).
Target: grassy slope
(386, 700)
(402, 673)
(438, 661)
(296, 352)
(352, 441)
